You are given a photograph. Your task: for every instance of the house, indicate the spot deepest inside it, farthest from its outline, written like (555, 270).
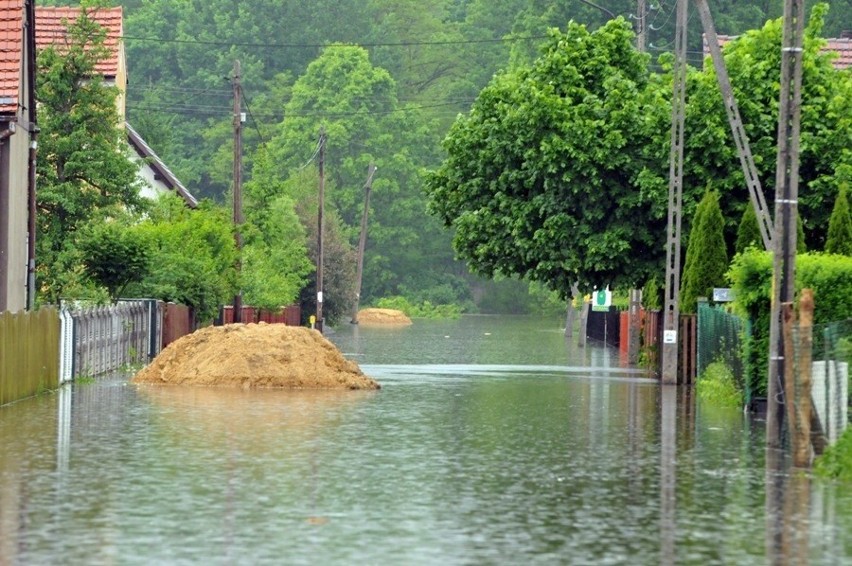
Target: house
(842, 46)
(52, 29)
(17, 153)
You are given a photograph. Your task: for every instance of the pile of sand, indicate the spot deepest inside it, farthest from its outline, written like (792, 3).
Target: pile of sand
(382, 316)
(255, 355)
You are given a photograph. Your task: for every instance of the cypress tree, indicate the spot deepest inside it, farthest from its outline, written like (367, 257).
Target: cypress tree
(706, 255)
(748, 232)
(839, 240)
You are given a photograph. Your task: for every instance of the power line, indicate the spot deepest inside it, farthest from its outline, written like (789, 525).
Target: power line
(254, 121)
(339, 44)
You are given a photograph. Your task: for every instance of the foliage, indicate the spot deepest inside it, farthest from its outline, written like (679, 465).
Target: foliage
(652, 294)
(192, 256)
(753, 63)
(718, 386)
(706, 257)
(419, 310)
(750, 274)
(113, 256)
(836, 461)
(83, 167)
(839, 240)
(748, 232)
(538, 178)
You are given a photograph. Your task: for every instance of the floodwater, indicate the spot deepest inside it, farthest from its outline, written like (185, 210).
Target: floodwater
(494, 440)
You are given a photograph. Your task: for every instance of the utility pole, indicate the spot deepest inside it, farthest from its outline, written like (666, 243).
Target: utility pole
(755, 190)
(671, 313)
(786, 211)
(320, 227)
(641, 30)
(238, 189)
(362, 243)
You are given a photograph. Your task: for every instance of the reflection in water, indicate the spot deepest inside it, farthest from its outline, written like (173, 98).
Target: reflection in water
(476, 450)
(668, 473)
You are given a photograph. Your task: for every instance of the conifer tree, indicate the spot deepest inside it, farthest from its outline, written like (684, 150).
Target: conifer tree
(839, 240)
(748, 233)
(706, 256)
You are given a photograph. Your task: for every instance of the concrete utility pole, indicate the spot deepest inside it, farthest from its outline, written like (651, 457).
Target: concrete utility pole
(786, 210)
(671, 312)
(641, 29)
(238, 189)
(320, 227)
(755, 190)
(362, 243)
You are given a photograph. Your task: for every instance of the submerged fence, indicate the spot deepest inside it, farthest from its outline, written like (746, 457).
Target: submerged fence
(720, 340)
(831, 356)
(29, 353)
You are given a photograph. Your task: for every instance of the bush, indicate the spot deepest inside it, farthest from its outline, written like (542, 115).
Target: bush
(421, 310)
(718, 386)
(836, 461)
(750, 274)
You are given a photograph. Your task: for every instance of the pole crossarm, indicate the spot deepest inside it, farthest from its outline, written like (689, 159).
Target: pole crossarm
(758, 200)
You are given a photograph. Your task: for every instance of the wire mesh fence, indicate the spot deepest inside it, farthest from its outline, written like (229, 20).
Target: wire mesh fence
(831, 355)
(720, 336)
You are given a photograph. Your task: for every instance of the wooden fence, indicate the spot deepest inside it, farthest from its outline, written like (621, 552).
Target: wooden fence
(29, 353)
(290, 315)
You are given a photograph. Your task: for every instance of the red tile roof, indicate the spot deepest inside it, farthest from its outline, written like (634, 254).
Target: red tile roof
(52, 29)
(11, 50)
(843, 48)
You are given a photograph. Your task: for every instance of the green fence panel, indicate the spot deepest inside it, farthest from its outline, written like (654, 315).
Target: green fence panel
(720, 335)
(29, 353)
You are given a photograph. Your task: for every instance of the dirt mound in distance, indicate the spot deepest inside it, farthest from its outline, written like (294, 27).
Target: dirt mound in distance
(383, 316)
(255, 355)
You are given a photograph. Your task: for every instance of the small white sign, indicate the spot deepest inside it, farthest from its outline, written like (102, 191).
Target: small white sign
(670, 337)
(319, 297)
(722, 295)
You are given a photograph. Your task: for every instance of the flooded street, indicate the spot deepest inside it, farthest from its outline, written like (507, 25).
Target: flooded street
(493, 441)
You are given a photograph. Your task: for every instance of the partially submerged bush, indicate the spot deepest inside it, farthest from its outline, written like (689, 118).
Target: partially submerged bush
(836, 461)
(718, 386)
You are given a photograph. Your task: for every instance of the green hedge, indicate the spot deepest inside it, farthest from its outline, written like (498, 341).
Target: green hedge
(750, 274)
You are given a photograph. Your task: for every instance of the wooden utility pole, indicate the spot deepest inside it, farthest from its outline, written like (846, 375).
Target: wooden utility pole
(362, 242)
(758, 201)
(238, 188)
(320, 227)
(786, 211)
(641, 29)
(671, 312)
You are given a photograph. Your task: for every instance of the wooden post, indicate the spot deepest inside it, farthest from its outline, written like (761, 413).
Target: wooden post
(238, 191)
(635, 327)
(788, 320)
(362, 243)
(802, 457)
(320, 229)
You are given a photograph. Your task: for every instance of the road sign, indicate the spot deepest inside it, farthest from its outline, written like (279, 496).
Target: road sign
(602, 300)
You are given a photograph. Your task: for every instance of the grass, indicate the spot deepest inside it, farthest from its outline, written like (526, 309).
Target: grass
(836, 462)
(718, 387)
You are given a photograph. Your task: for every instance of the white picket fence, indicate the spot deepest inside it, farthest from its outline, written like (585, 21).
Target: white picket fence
(99, 340)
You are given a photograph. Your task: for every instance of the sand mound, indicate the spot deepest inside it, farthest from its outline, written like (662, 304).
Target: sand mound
(382, 316)
(255, 355)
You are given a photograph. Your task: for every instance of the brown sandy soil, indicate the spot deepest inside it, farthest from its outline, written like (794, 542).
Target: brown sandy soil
(255, 355)
(383, 317)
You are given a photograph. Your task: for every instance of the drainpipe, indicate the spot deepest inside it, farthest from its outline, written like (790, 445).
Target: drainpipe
(31, 219)
(4, 213)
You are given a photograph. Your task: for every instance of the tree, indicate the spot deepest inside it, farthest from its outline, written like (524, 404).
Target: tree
(114, 256)
(192, 256)
(83, 166)
(538, 181)
(748, 232)
(839, 240)
(706, 255)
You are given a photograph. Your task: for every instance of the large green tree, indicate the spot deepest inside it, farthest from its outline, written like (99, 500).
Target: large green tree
(84, 170)
(538, 181)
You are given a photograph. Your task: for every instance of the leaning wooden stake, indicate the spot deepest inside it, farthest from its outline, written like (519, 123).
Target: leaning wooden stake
(788, 319)
(802, 456)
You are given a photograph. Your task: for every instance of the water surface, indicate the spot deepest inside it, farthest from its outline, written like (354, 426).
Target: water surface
(494, 440)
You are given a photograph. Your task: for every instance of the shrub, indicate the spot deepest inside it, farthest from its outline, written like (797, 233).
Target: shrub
(836, 461)
(706, 256)
(718, 386)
